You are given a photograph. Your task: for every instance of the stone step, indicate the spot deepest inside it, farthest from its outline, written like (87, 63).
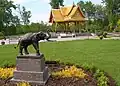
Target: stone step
(32, 83)
(31, 75)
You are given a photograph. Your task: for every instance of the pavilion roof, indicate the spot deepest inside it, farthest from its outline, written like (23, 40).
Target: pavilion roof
(66, 14)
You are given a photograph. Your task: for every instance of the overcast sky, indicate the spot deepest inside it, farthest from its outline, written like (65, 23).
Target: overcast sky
(41, 9)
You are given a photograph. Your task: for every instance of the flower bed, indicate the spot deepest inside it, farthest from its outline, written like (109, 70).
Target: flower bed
(64, 75)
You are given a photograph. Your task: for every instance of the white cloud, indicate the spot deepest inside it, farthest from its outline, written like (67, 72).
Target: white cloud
(47, 1)
(19, 1)
(96, 1)
(23, 1)
(40, 17)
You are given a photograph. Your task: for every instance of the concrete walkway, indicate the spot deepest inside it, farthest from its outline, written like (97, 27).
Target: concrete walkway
(15, 41)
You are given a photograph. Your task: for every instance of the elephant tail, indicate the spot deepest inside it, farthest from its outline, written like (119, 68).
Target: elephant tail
(17, 44)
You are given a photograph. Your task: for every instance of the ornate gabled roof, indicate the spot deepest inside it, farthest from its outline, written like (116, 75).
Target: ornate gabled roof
(66, 14)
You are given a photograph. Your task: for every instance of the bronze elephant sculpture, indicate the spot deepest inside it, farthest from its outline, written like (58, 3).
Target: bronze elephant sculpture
(31, 38)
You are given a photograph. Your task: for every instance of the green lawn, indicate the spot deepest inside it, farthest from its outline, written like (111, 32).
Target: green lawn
(104, 54)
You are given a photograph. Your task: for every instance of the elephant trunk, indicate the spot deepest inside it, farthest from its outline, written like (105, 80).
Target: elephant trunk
(48, 36)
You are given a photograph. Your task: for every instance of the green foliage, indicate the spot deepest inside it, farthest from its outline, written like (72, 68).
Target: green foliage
(11, 30)
(102, 80)
(103, 16)
(93, 28)
(24, 14)
(33, 27)
(6, 13)
(7, 64)
(95, 15)
(9, 22)
(90, 68)
(117, 29)
(1, 35)
(112, 11)
(118, 22)
(87, 7)
(56, 3)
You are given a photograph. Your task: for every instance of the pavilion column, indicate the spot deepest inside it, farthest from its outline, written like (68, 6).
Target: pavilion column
(56, 24)
(79, 26)
(65, 24)
(75, 26)
(68, 28)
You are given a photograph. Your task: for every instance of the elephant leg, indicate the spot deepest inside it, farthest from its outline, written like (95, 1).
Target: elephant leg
(25, 49)
(20, 50)
(36, 46)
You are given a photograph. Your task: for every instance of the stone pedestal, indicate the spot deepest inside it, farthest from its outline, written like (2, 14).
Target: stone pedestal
(32, 69)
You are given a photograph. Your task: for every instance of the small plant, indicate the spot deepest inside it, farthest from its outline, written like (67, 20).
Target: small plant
(99, 75)
(90, 68)
(71, 71)
(7, 64)
(23, 84)
(102, 80)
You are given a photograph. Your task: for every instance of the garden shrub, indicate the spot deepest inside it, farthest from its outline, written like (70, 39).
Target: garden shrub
(7, 64)
(90, 68)
(102, 80)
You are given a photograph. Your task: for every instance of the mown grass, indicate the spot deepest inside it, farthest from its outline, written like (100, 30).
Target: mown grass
(104, 54)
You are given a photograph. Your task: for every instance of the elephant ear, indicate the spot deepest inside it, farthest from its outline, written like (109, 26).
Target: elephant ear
(40, 35)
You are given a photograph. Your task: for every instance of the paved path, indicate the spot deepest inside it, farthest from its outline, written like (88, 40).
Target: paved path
(14, 41)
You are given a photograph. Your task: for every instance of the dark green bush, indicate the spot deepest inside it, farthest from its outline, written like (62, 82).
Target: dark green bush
(99, 75)
(2, 35)
(102, 80)
(7, 64)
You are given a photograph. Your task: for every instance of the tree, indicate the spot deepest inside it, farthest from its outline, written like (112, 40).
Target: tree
(6, 16)
(82, 5)
(88, 8)
(24, 15)
(55, 4)
(113, 10)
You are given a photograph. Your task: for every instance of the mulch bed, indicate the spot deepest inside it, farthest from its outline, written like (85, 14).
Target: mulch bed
(59, 81)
